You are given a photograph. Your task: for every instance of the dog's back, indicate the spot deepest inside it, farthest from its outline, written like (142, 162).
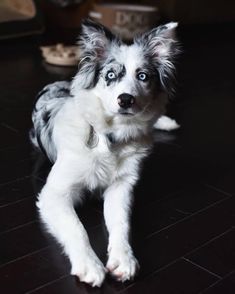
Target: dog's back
(49, 101)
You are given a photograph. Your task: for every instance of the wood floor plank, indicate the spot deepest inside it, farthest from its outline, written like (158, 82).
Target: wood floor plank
(187, 235)
(179, 277)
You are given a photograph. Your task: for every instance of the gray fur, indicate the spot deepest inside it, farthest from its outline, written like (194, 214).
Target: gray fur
(50, 100)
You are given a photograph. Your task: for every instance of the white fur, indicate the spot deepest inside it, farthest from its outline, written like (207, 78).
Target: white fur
(166, 123)
(74, 132)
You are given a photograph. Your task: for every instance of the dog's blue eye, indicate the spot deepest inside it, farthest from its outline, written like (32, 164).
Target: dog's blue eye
(142, 76)
(111, 75)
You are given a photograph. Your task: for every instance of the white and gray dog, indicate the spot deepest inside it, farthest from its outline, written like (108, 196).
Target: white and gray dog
(96, 131)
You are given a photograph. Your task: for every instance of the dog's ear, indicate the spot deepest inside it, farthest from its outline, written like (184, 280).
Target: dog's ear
(160, 40)
(94, 42)
(95, 39)
(161, 46)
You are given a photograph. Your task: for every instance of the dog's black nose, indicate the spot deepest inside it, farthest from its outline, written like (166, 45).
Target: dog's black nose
(125, 100)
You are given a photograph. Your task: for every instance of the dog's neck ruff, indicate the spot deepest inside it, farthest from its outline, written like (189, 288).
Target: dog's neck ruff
(93, 139)
(111, 138)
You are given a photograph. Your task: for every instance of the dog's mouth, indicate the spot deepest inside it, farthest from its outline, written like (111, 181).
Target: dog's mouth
(125, 112)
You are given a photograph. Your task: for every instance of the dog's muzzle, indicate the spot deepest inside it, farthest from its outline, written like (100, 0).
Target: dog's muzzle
(126, 101)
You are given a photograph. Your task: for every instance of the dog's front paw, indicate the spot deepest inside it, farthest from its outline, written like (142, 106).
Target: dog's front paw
(90, 270)
(122, 264)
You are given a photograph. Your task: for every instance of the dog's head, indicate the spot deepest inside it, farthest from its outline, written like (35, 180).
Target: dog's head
(128, 79)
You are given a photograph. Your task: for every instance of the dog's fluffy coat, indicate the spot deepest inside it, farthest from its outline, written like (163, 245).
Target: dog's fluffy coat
(94, 141)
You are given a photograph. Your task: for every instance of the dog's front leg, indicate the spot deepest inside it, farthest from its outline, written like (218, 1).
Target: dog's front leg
(117, 204)
(56, 209)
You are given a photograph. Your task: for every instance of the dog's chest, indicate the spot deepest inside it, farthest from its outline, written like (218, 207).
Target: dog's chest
(107, 162)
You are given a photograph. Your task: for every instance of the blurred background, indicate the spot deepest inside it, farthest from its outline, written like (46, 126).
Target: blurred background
(59, 20)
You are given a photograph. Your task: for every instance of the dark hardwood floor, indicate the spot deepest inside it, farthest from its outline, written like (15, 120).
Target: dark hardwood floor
(184, 213)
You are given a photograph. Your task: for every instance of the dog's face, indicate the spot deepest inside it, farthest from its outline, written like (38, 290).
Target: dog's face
(127, 79)
(127, 84)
